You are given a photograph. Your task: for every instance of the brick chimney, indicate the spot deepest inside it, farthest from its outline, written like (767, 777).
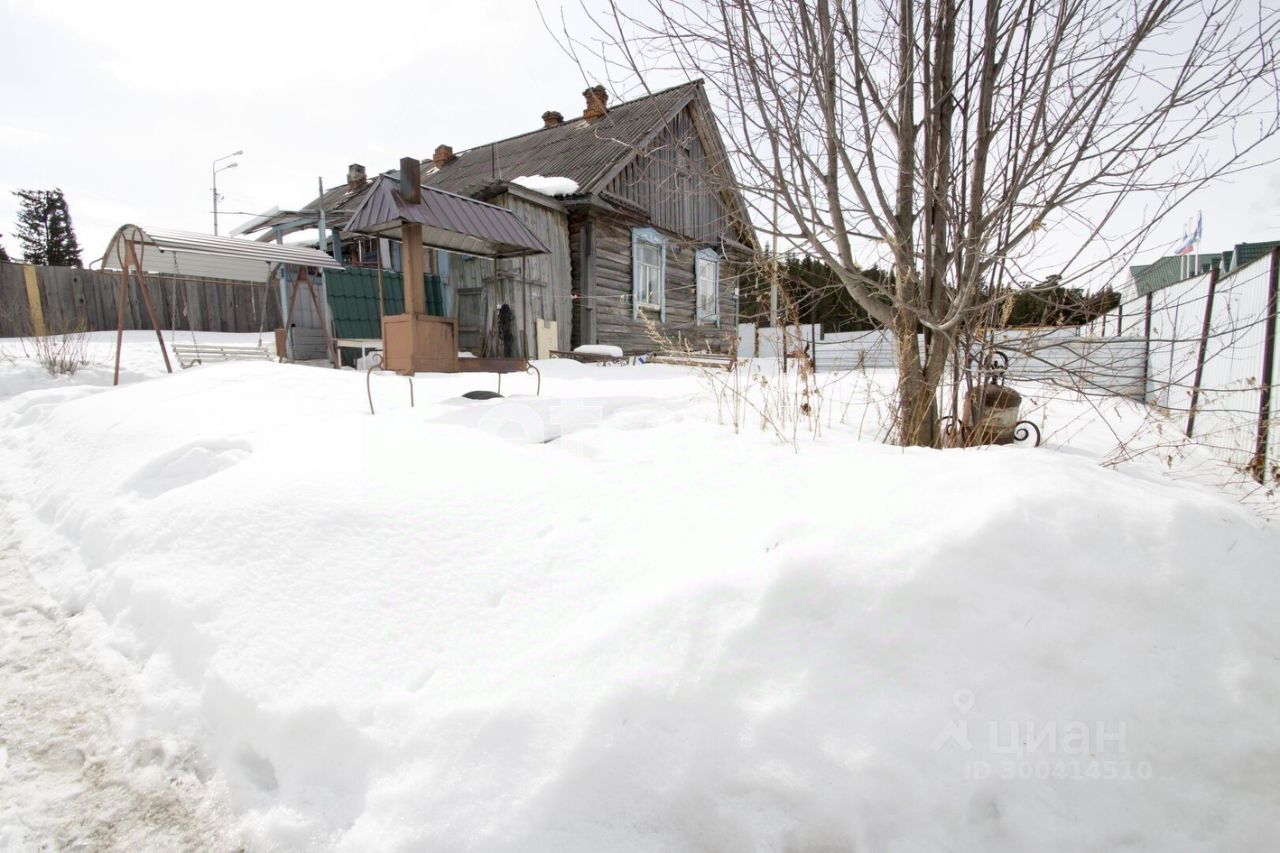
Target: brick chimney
(551, 118)
(597, 98)
(443, 156)
(356, 175)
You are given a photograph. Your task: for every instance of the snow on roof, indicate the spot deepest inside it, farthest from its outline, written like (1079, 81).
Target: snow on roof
(547, 186)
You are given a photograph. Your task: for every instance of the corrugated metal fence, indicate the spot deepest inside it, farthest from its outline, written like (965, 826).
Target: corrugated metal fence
(1060, 356)
(1233, 407)
(1204, 350)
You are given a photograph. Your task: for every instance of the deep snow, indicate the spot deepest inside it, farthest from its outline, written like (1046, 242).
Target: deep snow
(437, 628)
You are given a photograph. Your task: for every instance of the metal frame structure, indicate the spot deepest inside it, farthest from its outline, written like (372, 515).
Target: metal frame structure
(987, 368)
(159, 253)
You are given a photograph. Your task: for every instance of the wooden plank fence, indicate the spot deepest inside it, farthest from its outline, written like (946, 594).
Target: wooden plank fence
(71, 298)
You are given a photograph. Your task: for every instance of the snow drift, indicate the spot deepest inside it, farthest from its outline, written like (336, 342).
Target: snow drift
(435, 629)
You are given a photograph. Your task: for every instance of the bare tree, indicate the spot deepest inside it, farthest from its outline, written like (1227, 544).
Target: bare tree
(964, 145)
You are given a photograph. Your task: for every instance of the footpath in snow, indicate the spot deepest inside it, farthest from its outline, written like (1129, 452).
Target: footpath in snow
(70, 779)
(602, 620)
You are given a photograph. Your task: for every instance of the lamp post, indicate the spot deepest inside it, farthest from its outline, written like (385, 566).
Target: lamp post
(216, 169)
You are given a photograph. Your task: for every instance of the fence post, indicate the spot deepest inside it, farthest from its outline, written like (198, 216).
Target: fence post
(34, 306)
(1204, 349)
(1259, 464)
(1146, 353)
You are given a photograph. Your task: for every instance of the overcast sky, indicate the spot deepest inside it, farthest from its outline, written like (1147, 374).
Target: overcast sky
(125, 104)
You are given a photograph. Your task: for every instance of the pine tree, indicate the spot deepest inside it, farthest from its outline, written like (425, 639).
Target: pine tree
(45, 230)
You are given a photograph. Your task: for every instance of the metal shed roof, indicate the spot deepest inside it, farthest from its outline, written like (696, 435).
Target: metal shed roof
(188, 254)
(452, 222)
(585, 151)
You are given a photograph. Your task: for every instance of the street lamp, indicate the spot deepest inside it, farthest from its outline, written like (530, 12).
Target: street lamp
(216, 169)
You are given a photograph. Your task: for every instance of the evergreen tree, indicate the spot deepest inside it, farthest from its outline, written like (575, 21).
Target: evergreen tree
(4, 256)
(45, 230)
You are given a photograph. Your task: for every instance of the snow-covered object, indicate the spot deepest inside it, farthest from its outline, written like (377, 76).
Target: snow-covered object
(600, 349)
(552, 186)
(435, 630)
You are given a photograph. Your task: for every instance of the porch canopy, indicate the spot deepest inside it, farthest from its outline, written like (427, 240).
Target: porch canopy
(189, 255)
(452, 222)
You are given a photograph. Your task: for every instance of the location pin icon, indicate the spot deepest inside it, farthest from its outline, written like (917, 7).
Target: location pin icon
(964, 701)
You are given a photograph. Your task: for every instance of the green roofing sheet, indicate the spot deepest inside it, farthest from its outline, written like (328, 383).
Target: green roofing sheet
(353, 299)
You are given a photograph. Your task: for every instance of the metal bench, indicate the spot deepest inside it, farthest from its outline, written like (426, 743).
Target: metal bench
(500, 366)
(465, 365)
(189, 354)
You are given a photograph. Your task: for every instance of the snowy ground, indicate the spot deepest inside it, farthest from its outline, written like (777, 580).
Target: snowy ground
(604, 619)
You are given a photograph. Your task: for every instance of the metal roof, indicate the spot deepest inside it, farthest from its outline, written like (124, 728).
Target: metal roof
(452, 222)
(586, 151)
(1171, 269)
(187, 254)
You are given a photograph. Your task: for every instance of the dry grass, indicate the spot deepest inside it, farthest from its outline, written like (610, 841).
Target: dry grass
(60, 354)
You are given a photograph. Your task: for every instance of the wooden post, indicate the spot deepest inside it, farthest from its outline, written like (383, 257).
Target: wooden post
(1259, 464)
(34, 306)
(1204, 351)
(124, 294)
(412, 253)
(146, 300)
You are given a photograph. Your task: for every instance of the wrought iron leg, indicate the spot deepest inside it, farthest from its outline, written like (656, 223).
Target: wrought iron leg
(1022, 430)
(368, 380)
(953, 429)
(368, 383)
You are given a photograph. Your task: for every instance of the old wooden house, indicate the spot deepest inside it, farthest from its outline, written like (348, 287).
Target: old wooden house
(635, 201)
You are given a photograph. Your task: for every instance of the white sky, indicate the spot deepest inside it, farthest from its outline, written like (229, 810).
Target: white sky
(124, 105)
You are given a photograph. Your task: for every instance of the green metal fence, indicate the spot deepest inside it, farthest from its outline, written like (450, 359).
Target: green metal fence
(353, 299)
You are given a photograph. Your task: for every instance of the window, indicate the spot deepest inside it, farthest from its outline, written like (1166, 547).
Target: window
(648, 271)
(707, 273)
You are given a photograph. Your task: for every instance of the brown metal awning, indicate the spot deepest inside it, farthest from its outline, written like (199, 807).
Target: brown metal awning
(451, 222)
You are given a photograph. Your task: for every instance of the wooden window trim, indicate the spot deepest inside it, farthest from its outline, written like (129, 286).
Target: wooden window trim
(650, 237)
(705, 256)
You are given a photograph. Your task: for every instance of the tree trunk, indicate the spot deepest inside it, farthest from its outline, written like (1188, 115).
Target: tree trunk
(917, 402)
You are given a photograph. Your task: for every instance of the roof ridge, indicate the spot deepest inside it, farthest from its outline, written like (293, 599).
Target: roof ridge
(619, 105)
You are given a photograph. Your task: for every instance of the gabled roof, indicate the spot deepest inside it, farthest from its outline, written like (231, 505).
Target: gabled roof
(587, 152)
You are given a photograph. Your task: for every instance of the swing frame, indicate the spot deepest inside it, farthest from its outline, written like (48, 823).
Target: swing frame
(253, 261)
